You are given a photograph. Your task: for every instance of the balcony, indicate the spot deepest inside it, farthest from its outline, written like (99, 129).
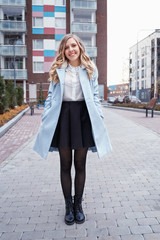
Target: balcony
(84, 27)
(9, 73)
(92, 51)
(91, 5)
(11, 50)
(18, 3)
(12, 26)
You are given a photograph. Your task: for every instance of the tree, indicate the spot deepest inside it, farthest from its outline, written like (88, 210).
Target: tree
(11, 94)
(3, 97)
(19, 94)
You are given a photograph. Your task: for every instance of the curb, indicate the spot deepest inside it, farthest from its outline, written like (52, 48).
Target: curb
(9, 124)
(130, 109)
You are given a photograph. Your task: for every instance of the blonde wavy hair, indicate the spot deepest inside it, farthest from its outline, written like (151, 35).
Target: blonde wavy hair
(61, 58)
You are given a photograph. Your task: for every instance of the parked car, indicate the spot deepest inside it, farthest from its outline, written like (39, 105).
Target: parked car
(132, 99)
(111, 99)
(119, 100)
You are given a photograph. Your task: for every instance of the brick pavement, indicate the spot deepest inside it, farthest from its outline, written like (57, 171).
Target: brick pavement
(121, 199)
(140, 118)
(22, 131)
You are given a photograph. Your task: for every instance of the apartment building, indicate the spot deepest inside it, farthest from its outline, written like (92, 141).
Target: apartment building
(43, 25)
(145, 67)
(13, 51)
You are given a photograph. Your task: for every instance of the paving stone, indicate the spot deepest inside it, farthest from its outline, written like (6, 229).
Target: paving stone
(25, 227)
(97, 232)
(126, 222)
(54, 234)
(11, 236)
(153, 236)
(147, 221)
(140, 229)
(132, 237)
(76, 233)
(115, 231)
(155, 228)
(30, 235)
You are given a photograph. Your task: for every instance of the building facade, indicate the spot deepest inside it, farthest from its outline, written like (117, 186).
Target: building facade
(145, 67)
(13, 50)
(39, 26)
(118, 90)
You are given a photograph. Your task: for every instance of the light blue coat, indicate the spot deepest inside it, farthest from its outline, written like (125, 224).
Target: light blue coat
(53, 107)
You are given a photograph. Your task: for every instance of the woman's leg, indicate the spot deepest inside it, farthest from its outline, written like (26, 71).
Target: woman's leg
(65, 170)
(80, 176)
(80, 170)
(66, 182)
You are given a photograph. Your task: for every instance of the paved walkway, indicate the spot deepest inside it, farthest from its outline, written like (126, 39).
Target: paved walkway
(122, 193)
(22, 131)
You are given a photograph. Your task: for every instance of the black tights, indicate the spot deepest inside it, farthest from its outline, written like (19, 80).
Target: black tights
(80, 170)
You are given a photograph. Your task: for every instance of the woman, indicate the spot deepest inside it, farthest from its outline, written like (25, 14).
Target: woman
(72, 120)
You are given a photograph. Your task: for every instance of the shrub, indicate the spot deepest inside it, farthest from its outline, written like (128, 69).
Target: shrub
(3, 97)
(11, 94)
(4, 118)
(19, 94)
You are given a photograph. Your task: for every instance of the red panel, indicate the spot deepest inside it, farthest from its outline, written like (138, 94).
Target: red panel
(49, 31)
(37, 53)
(49, 59)
(48, 8)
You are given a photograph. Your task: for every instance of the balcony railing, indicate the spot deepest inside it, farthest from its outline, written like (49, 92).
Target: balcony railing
(10, 50)
(9, 73)
(6, 25)
(84, 27)
(92, 51)
(84, 4)
(13, 3)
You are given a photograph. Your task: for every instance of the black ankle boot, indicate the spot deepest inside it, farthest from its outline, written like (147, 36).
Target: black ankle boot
(69, 216)
(78, 211)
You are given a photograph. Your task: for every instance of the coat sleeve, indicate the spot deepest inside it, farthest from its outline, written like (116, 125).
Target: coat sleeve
(48, 99)
(96, 93)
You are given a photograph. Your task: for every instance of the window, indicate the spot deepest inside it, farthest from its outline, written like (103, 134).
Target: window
(9, 63)
(38, 44)
(37, 2)
(142, 84)
(60, 22)
(60, 2)
(37, 22)
(142, 62)
(38, 67)
(142, 73)
(57, 44)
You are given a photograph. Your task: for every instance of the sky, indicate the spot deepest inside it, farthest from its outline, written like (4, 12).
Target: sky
(128, 20)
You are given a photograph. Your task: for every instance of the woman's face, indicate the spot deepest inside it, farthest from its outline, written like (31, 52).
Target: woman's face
(72, 52)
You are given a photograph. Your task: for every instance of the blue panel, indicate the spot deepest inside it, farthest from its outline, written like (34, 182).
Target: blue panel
(37, 31)
(48, 14)
(60, 9)
(37, 8)
(59, 36)
(49, 53)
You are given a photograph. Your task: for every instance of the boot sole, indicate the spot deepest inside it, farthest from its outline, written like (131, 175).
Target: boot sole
(79, 222)
(69, 223)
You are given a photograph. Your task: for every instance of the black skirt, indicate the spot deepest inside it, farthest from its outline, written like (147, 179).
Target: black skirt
(73, 129)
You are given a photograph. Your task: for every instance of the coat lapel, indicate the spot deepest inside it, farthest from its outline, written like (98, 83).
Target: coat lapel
(61, 75)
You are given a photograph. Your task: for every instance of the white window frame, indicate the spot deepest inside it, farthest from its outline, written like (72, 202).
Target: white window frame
(35, 70)
(60, 20)
(58, 3)
(35, 44)
(37, 2)
(34, 22)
